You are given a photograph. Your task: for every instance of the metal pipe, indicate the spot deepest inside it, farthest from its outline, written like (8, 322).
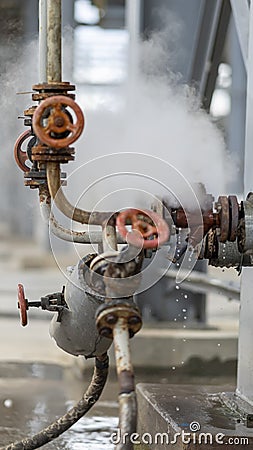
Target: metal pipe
(54, 53)
(198, 282)
(109, 237)
(76, 214)
(127, 396)
(43, 41)
(79, 237)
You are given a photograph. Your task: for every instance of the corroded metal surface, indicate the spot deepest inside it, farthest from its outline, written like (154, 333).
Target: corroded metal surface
(148, 225)
(22, 305)
(224, 218)
(234, 217)
(20, 155)
(59, 122)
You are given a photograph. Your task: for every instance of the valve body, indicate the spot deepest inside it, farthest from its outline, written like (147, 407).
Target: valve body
(77, 333)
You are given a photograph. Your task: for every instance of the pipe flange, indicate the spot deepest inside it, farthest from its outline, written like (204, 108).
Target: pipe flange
(107, 316)
(233, 216)
(224, 217)
(44, 95)
(59, 86)
(42, 153)
(245, 229)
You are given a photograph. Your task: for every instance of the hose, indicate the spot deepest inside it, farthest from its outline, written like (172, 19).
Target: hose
(62, 424)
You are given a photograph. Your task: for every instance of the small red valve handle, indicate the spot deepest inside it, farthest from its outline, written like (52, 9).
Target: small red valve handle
(51, 121)
(20, 155)
(22, 305)
(147, 223)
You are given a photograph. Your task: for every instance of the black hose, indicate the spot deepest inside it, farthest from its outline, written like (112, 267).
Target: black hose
(65, 422)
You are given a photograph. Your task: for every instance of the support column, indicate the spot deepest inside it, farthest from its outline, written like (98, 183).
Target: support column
(245, 352)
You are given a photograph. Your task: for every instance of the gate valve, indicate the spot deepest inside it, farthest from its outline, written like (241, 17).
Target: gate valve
(51, 302)
(152, 229)
(54, 125)
(22, 156)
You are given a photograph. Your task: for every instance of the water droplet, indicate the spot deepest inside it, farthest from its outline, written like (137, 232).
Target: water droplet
(177, 408)
(173, 349)
(184, 340)
(184, 310)
(8, 403)
(177, 300)
(175, 319)
(182, 362)
(184, 326)
(185, 296)
(219, 345)
(177, 287)
(173, 368)
(174, 396)
(185, 317)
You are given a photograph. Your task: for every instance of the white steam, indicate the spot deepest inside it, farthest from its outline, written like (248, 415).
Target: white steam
(161, 118)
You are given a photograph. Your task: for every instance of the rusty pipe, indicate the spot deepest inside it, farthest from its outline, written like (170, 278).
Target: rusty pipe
(79, 237)
(43, 40)
(54, 51)
(127, 395)
(210, 219)
(73, 213)
(109, 237)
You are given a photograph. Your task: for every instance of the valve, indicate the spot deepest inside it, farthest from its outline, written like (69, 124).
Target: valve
(22, 305)
(22, 156)
(52, 302)
(152, 229)
(53, 124)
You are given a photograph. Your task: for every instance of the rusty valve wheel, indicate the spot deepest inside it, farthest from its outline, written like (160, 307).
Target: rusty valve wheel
(53, 124)
(22, 305)
(20, 155)
(152, 229)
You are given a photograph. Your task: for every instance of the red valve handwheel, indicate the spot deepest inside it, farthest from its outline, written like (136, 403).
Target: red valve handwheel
(58, 121)
(20, 155)
(22, 304)
(140, 221)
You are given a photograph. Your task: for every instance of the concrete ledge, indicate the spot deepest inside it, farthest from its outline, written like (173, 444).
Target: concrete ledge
(170, 349)
(187, 417)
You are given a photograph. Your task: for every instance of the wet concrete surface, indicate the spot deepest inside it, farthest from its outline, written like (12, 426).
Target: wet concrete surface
(33, 395)
(197, 411)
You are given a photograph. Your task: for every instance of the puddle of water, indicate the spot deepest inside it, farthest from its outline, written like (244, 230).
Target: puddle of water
(94, 432)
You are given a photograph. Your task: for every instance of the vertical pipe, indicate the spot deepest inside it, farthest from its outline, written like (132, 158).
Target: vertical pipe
(245, 347)
(127, 396)
(54, 63)
(42, 41)
(109, 238)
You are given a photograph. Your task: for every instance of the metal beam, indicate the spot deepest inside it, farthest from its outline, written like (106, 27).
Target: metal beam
(240, 11)
(245, 351)
(212, 28)
(42, 41)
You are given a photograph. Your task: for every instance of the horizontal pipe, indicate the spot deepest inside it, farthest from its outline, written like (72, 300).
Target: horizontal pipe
(79, 237)
(199, 282)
